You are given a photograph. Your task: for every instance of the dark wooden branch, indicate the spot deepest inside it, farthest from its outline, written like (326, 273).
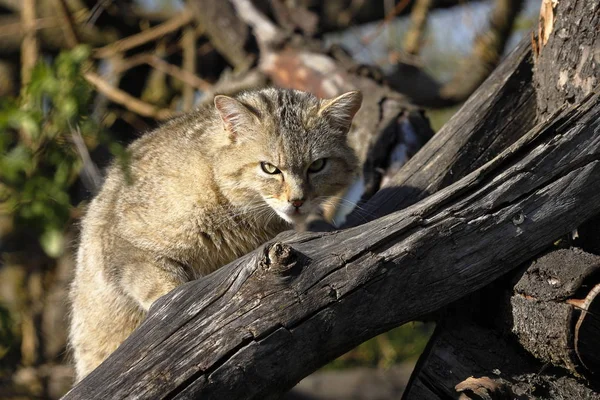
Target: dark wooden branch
(310, 297)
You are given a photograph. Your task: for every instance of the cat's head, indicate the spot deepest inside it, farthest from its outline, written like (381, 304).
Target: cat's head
(286, 148)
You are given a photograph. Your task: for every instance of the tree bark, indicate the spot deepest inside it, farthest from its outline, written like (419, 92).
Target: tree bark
(310, 297)
(547, 302)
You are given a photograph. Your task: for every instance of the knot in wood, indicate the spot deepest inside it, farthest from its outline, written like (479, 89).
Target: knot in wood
(280, 257)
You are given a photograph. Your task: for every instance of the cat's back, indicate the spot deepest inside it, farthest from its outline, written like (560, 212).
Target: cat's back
(152, 197)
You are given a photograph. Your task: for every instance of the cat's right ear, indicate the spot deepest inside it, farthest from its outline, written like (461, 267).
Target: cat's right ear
(236, 116)
(341, 110)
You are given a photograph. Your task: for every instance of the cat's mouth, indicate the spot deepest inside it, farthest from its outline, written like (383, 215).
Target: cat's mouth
(290, 214)
(293, 216)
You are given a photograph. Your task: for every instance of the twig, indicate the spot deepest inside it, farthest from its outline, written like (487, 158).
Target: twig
(388, 18)
(14, 28)
(30, 45)
(90, 175)
(188, 43)
(177, 72)
(126, 100)
(123, 65)
(148, 35)
(67, 25)
(158, 63)
(418, 21)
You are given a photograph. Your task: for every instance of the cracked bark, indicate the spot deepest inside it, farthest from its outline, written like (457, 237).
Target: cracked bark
(228, 335)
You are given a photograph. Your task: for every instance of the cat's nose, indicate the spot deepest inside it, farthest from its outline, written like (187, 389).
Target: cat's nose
(297, 203)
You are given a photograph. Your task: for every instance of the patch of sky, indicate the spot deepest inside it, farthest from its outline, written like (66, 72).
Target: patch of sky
(449, 37)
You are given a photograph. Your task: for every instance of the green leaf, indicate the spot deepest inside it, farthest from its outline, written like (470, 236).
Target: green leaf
(53, 243)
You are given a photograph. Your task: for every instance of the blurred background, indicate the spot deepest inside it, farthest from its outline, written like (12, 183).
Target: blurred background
(80, 79)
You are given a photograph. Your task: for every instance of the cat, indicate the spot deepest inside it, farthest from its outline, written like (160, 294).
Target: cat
(199, 192)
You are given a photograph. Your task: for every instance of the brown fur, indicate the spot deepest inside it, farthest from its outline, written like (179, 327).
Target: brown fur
(195, 198)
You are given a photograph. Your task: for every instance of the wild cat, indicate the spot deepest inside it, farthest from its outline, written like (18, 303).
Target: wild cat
(199, 192)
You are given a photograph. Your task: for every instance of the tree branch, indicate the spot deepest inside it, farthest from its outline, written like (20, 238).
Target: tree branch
(154, 33)
(30, 46)
(126, 100)
(418, 22)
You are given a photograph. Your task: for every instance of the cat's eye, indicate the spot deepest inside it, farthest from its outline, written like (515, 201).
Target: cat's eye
(317, 165)
(269, 168)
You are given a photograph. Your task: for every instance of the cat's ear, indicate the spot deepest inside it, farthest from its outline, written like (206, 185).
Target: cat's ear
(341, 109)
(235, 115)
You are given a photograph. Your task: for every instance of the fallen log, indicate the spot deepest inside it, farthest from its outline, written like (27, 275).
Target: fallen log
(310, 297)
(552, 314)
(477, 348)
(467, 361)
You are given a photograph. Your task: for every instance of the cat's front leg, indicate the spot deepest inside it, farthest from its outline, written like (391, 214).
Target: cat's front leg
(146, 276)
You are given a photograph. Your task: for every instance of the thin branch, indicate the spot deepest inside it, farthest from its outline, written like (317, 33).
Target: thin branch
(181, 74)
(158, 63)
(30, 45)
(146, 36)
(67, 23)
(388, 18)
(123, 65)
(487, 50)
(91, 177)
(126, 100)
(418, 22)
(188, 43)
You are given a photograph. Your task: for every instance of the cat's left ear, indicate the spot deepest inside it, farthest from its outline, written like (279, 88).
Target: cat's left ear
(235, 115)
(342, 109)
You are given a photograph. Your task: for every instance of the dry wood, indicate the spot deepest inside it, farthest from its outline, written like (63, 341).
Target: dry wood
(126, 100)
(29, 46)
(413, 39)
(478, 363)
(567, 68)
(188, 44)
(310, 297)
(154, 33)
(546, 305)
(542, 311)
